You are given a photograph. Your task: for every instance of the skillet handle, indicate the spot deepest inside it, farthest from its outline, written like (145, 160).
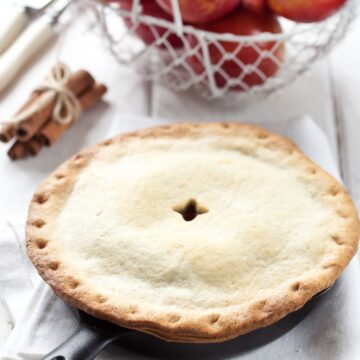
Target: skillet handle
(84, 344)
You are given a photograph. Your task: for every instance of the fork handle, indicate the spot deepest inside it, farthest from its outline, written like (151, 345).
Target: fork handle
(14, 24)
(28, 44)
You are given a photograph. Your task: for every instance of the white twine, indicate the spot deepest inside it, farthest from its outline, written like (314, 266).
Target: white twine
(67, 108)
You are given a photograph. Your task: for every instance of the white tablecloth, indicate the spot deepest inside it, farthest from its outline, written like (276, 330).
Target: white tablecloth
(41, 320)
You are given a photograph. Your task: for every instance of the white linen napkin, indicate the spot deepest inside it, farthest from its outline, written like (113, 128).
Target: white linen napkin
(15, 279)
(42, 321)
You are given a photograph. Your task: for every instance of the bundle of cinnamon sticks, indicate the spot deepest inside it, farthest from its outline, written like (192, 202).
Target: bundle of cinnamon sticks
(37, 127)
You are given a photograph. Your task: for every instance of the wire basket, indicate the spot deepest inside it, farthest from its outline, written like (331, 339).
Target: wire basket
(182, 57)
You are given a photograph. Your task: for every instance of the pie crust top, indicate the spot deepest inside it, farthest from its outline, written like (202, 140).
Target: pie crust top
(191, 232)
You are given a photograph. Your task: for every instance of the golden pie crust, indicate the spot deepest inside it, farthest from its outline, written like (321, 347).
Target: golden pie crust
(106, 230)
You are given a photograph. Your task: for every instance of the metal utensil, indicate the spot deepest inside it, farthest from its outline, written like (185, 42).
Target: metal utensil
(29, 43)
(18, 19)
(92, 335)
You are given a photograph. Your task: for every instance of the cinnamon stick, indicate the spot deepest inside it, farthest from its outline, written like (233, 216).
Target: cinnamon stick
(20, 150)
(78, 83)
(34, 95)
(7, 131)
(34, 146)
(39, 113)
(53, 130)
(92, 96)
(17, 151)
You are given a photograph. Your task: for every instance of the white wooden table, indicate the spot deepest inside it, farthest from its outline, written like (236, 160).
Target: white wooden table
(328, 92)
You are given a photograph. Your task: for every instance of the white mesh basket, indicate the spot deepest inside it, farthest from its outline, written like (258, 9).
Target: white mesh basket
(173, 66)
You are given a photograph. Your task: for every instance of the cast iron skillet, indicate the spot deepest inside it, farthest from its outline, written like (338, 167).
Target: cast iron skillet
(93, 334)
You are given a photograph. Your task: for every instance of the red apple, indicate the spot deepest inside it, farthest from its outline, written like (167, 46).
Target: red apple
(255, 5)
(200, 11)
(306, 10)
(150, 8)
(241, 22)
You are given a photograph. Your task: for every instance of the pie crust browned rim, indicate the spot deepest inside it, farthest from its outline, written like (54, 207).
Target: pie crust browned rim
(219, 325)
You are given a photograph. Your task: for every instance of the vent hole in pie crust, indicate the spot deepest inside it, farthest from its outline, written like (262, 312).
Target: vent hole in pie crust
(40, 198)
(337, 239)
(106, 143)
(60, 176)
(39, 223)
(334, 191)
(190, 210)
(329, 266)
(214, 319)
(41, 243)
(174, 318)
(342, 213)
(101, 299)
(74, 284)
(296, 286)
(78, 157)
(54, 265)
(133, 310)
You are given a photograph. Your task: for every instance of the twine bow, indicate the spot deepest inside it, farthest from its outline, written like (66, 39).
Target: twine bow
(67, 108)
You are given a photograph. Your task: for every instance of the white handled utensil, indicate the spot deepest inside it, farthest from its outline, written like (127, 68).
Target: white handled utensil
(16, 20)
(28, 44)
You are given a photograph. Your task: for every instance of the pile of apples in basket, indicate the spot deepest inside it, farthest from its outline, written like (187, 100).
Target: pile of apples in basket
(225, 63)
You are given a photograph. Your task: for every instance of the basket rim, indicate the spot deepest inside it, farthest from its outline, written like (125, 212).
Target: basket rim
(188, 29)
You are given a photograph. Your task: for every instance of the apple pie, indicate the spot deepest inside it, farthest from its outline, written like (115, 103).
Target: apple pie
(191, 232)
